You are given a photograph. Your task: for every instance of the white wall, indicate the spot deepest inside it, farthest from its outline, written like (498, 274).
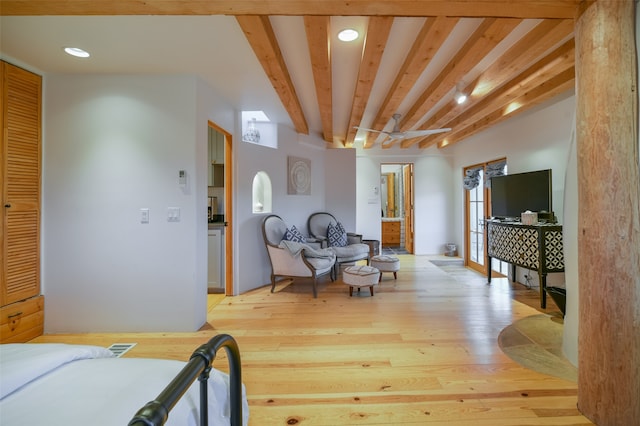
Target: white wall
(111, 146)
(210, 107)
(537, 139)
(340, 186)
(251, 260)
(433, 195)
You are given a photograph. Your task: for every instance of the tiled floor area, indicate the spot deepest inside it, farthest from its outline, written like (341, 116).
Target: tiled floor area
(394, 250)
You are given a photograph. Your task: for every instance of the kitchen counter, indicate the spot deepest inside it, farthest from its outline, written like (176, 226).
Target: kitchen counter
(216, 225)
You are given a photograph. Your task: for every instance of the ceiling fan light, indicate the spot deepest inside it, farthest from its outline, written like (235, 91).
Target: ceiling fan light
(461, 98)
(77, 52)
(348, 34)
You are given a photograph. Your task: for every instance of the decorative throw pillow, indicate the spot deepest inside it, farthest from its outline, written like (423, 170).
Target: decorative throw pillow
(336, 235)
(294, 235)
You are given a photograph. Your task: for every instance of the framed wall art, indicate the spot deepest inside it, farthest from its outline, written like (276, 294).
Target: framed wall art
(299, 176)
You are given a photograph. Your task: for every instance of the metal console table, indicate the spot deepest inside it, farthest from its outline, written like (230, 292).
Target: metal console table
(535, 247)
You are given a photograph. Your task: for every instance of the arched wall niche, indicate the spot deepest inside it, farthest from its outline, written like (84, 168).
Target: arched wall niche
(261, 202)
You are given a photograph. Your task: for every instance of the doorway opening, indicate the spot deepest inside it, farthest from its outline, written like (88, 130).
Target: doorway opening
(396, 199)
(221, 185)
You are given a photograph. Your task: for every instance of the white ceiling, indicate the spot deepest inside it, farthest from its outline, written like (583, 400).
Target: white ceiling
(211, 47)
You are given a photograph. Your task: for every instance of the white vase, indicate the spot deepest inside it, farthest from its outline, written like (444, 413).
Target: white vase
(252, 134)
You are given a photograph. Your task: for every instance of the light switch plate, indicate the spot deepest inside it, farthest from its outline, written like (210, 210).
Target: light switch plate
(144, 215)
(173, 214)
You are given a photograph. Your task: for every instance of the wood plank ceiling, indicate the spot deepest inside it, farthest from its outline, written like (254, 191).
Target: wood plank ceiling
(513, 56)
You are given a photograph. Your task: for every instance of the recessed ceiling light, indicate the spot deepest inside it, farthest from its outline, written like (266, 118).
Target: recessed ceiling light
(348, 34)
(461, 98)
(77, 52)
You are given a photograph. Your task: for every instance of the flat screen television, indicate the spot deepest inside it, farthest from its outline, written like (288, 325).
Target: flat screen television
(514, 194)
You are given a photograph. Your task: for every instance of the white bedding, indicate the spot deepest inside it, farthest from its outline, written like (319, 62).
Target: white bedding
(57, 384)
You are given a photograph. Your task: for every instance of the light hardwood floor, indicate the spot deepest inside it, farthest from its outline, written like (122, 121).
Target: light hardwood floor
(423, 350)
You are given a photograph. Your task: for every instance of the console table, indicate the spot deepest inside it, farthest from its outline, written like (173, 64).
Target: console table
(535, 247)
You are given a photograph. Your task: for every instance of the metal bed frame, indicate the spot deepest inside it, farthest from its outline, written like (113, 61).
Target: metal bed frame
(156, 412)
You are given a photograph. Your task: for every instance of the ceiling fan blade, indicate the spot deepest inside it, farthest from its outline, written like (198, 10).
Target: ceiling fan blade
(369, 130)
(418, 133)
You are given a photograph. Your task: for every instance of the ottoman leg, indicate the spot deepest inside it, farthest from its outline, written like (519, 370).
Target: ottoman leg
(395, 275)
(350, 291)
(371, 289)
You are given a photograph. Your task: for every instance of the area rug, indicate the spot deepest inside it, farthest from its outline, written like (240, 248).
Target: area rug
(535, 342)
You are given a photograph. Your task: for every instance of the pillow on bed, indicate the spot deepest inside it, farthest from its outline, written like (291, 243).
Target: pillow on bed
(21, 363)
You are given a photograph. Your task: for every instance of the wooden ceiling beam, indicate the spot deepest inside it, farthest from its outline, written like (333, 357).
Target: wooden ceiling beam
(540, 9)
(319, 42)
(557, 85)
(555, 62)
(378, 31)
(543, 37)
(428, 41)
(260, 35)
(483, 40)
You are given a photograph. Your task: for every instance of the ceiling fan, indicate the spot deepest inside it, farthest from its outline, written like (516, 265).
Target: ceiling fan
(397, 134)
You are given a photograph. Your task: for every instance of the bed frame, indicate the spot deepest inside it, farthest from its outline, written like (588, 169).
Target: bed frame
(156, 412)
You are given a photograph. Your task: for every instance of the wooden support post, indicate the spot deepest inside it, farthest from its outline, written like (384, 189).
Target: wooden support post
(609, 214)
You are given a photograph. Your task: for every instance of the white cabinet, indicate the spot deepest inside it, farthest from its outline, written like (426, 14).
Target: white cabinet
(216, 255)
(216, 147)
(216, 158)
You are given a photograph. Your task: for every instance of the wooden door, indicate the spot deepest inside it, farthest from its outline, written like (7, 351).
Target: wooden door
(20, 171)
(407, 171)
(391, 198)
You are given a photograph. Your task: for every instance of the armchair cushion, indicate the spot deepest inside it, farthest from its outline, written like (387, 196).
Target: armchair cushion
(293, 234)
(337, 235)
(351, 252)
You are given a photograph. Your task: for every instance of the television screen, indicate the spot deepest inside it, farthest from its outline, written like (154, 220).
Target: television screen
(514, 194)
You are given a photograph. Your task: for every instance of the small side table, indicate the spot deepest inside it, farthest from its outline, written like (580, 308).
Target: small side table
(374, 247)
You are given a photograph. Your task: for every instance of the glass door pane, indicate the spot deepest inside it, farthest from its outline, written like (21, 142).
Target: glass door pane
(475, 225)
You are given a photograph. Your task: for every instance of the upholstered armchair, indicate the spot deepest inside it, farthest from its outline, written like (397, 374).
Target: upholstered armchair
(292, 259)
(347, 246)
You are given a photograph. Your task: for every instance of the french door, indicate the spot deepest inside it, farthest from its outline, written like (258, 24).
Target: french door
(477, 210)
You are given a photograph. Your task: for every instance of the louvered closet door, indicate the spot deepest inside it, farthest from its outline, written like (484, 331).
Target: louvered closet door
(20, 171)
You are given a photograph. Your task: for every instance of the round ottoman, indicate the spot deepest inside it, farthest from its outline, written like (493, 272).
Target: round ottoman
(360, 276)
(385, 263)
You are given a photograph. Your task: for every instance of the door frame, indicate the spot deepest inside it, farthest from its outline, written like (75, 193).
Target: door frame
(408, 202)
(228, 207)
(407, 173)
(482, 268)
(486, 199)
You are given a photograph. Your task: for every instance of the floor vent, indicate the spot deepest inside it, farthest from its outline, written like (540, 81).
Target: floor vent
(120, 349)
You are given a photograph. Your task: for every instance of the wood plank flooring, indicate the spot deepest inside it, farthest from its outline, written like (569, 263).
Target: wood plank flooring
(422, 351)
